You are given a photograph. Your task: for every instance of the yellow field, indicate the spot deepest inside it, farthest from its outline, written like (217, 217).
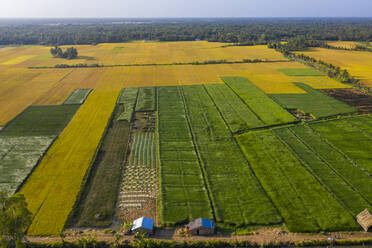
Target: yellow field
(17, 60)
(358, 63)
(52, 188)
(343, 44)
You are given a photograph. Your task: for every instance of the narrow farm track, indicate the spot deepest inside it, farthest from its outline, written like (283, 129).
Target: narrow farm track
(52, 189)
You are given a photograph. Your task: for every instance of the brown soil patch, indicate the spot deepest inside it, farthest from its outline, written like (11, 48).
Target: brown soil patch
(300, 115)
(354, 97)
(144, 122)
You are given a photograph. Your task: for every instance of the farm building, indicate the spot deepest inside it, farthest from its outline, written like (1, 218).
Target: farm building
(365, 220)
(143, 225)
(201, 226)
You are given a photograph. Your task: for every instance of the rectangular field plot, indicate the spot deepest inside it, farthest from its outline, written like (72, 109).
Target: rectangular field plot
(313, 102)
(333, 174)
(128, 98)
(18, 156)
(301, 72)
(40, 121)
(78, 96)
(268, 111)
(143, 150)
(305, 205)
(352, 137)
(237, 115)
(236, 194)
(146, 100)
(183, 192)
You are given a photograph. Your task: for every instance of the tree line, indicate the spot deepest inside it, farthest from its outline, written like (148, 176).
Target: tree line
(70, 53)
(242, 31)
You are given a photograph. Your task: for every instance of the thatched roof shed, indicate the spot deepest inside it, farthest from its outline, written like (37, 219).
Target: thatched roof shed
(365, 220)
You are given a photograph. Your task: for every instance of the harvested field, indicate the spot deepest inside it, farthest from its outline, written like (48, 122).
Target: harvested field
(353, 97)
(78, 96)
(313, 102)
(40, 121)
(18, 157)
(96, 204)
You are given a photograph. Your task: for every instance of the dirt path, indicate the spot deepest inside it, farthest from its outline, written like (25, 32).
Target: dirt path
(260, 236)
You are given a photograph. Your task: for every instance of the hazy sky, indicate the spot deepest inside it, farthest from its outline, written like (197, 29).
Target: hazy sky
(185, 8)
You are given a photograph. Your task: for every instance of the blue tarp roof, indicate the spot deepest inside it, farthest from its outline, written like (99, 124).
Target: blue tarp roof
(144, 223)
(207, 223)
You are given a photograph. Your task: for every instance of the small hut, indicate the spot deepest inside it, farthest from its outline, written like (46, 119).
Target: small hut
(201, 226)
(143, 225)
(365, 220)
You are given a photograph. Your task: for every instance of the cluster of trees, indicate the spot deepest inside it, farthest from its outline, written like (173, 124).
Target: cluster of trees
(70, 53)
(243, 31)
(14, 219)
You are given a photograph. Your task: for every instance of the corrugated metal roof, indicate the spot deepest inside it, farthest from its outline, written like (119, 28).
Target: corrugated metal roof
(144, 223)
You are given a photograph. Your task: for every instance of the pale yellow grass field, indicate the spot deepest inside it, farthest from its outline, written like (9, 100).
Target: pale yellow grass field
(343, 44)
(358, 63)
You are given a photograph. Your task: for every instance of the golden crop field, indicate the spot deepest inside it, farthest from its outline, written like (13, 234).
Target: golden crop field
(358, 63)
(343, 44)
(52, 188)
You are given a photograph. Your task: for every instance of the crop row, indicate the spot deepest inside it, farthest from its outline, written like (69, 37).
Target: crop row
(235, 192)
(268, 111)
(326, 169)
(183, 193)
(143, 150)
(305, 205)
(351, 137)
(78, 96)
(146, 100)
(127, 98)
(313, 102)
(236, 114)
(18, 156)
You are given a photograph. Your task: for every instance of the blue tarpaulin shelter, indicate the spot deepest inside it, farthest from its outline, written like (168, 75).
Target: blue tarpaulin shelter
(143, 225)
(201, 226)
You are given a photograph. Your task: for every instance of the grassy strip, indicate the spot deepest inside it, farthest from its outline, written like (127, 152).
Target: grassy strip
(146, 100)
(324, 172)
(78, 96)
(237, 196)
(301, 72)
(40, 121)
(353, 175)
(313, 102)
(349, 139)
(237, 115)
(96, 205)
(269, 112)
(128, 98)
(183, 195)
(304, 204)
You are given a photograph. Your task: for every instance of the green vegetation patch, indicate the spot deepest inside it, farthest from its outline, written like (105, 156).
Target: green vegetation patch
(143, 151)
(40, 121)
(146, 100)
(127, 98)
(236, 194)
(236, 114)
(96, 204)
(267, 110)
(183, 195)
(305, 205)
(325, 169)
(78, 96)
(313, 102)
(352, 137)
(18, 156)
(301, 72)
(118, 48)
